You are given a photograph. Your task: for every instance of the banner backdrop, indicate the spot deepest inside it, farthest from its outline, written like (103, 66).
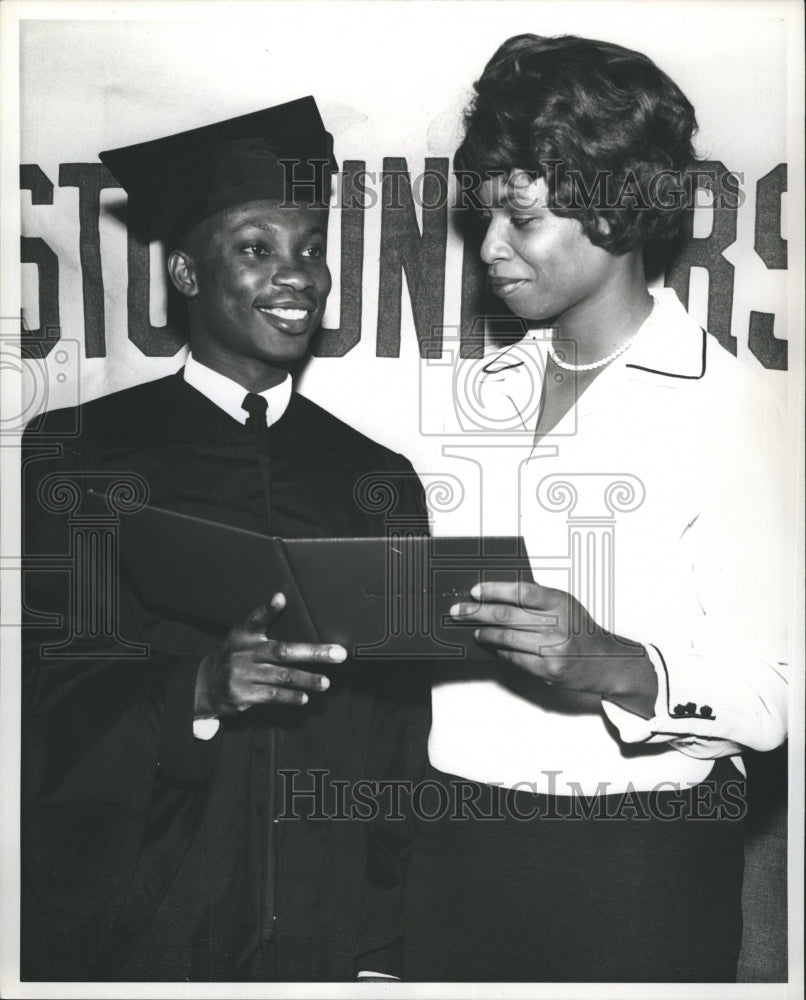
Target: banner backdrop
(391, 81)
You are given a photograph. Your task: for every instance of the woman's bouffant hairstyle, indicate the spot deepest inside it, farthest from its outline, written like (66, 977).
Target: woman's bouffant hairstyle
(609, 132)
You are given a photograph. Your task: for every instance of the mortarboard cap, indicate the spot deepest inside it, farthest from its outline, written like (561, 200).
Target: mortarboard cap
(173, 183)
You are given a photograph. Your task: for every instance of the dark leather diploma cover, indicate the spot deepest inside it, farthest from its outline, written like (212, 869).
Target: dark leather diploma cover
(381, 598)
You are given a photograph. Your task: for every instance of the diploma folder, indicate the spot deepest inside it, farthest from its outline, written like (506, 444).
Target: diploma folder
(381, 598)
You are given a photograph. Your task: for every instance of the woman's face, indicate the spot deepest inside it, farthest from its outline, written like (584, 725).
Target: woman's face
(544, 267)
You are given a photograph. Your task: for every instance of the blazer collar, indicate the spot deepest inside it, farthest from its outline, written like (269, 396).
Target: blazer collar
(669, 344)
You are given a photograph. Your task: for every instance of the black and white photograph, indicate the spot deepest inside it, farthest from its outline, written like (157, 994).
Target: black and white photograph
(402, 498)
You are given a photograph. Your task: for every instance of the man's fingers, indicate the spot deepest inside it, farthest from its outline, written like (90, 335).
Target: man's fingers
(287, 677)
(278, 652)
(269, 694)
(262, 618)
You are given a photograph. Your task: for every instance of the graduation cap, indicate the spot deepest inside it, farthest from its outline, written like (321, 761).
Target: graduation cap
(281, 153)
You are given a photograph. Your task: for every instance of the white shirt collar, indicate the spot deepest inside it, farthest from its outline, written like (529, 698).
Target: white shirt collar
(228, 396)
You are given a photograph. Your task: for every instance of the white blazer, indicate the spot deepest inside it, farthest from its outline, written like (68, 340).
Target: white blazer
(661, 502)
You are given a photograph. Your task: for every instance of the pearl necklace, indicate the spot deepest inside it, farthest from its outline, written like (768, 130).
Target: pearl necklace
(610, 357)
(594, 364)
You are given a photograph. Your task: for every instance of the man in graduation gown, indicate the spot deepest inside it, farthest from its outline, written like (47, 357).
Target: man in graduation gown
(153, 745)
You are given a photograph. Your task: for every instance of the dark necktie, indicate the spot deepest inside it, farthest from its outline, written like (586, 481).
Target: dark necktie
(256, 406)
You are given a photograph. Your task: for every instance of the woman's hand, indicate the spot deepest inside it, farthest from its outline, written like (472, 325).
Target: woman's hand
(550, 634)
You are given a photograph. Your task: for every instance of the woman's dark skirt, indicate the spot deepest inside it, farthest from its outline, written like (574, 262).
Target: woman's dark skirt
(507, 886)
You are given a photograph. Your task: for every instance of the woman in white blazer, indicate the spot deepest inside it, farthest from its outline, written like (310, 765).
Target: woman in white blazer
(595, 773)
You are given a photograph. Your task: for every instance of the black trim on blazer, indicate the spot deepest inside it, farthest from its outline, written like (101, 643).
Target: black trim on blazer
(666, 672)
(655, 371)
(690, 710)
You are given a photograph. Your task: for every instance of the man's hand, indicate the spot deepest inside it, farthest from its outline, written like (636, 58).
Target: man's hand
(549, 633)
(250, 669)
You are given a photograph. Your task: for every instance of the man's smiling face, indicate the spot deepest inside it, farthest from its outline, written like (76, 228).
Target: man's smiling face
(260, 282)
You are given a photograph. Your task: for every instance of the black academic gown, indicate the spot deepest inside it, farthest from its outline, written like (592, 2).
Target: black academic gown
(148, 854)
